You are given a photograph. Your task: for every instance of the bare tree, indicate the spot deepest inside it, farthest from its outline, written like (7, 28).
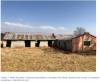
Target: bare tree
(79, 31)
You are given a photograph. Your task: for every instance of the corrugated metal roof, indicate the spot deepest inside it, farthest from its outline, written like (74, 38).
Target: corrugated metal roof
(85, 33)
(69, 37)
(27, 36)
(64, 37)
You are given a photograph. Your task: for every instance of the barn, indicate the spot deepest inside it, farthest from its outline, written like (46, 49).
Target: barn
(81, 43)
(84, 42)
(27, 40)
(1, 41)
(63, 42)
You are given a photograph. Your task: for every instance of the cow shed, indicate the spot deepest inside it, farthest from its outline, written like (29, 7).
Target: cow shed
(27, 40)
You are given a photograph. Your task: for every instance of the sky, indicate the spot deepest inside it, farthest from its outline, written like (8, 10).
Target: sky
(61, 17)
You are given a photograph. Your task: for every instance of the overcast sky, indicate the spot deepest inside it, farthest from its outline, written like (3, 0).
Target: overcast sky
(48, 16)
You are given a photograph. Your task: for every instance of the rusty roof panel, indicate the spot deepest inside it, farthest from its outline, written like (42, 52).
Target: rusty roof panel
(27, 36)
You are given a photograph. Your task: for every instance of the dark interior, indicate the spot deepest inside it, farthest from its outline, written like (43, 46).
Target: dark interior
(50, 43)
(27, 43)
(8, 43)
(1, 45)
(87, 43)
(37, 44)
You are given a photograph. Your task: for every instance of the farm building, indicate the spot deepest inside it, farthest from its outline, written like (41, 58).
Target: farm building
(81, 43)
(1, 41)
(84, 42)
(27, 40)
(63, 42)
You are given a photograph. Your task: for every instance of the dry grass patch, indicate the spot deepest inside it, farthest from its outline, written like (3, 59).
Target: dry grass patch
(45, 59)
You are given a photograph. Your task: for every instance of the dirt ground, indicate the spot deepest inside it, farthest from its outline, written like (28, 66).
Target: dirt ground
(45, 59)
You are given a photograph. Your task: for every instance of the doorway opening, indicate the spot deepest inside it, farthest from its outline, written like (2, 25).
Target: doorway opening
(50, 43)
(27, 43)
(37, 44)
(8, 43)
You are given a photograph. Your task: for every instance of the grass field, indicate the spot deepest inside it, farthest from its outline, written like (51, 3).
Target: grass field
(45, 59)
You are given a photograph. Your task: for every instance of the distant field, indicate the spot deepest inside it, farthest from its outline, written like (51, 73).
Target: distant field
(45, 59)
